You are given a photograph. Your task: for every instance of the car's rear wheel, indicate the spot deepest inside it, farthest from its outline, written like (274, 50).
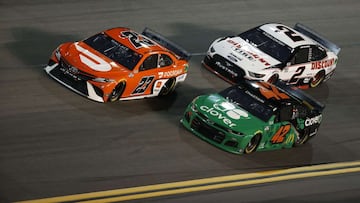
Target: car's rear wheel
(318, 79)
(273, 78)
(117, 92)
(168, 87)
(303, 138)
(253, 144)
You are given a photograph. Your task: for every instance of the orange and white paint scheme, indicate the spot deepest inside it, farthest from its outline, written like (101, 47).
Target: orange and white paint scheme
(119, 64)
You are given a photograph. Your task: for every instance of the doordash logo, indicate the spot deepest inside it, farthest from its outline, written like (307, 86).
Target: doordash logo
(224, 111)
(91, 60)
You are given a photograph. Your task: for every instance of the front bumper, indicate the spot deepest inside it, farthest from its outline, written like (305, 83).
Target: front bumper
(224, 68)
(212, 133)
(78, 84)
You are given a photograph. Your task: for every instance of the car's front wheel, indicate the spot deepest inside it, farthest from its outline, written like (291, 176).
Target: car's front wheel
(318, 79)
(253, 144)
(273, 79)
(117, 92)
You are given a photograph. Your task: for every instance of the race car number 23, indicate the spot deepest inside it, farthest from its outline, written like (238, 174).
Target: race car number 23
(143, 84)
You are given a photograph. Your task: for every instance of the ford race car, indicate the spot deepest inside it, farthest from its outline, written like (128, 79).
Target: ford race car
(254, 116)
(273, 52)
(119, 64)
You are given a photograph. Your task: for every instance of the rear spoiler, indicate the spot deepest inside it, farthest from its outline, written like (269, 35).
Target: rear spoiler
(301, 95)
(318, 38)
(182, 53)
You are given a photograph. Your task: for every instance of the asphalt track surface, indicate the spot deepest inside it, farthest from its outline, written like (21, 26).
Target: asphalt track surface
(54, 142)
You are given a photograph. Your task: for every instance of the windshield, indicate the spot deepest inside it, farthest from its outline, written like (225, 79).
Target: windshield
(268, 44)
(114, 50)
(248, 101)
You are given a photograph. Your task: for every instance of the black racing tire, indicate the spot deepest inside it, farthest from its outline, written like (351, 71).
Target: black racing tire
(273, 79)
(253, 144)
(303, 138)
(317, 79)
(117, 92)
(168, 87)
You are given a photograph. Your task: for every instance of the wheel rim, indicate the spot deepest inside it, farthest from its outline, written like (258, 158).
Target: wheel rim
(303, 138)
(319, 77)
(169, 85)
(116, 93)
(252, 145)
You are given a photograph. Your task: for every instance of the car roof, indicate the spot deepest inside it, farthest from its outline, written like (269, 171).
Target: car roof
(279, 94)
(269, 94)
(116, 33)
(274, 31)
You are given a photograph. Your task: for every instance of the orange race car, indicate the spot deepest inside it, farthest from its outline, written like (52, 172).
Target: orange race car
(119, 64)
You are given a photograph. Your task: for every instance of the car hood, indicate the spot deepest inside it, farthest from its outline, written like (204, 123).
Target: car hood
(85, 58)
(226, 114)
(243, 54)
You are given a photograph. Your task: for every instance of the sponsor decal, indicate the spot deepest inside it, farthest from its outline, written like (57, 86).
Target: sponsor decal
(92, 61)
(224, 111)
(171, 73)
(237, 45)
(225, 68)
(70, 71)
(254, 96)
(234, 58)
(314, 120)
(246, 54)
(322, 64)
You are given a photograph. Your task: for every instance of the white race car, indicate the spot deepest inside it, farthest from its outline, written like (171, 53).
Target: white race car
(272, 52)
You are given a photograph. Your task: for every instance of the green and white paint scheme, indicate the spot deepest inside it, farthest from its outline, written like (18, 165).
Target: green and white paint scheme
(225, 124)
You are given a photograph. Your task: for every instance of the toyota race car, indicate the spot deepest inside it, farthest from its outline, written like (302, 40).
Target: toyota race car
(119, 64)
(273, 52)
(254, 116)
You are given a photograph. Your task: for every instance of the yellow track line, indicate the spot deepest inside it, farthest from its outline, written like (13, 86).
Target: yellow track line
(223, 185)
(192, 183)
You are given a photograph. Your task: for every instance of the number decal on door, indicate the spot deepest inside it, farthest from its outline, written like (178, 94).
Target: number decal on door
(291, 34)
(298, 72)
(143, 84)
(280, 135)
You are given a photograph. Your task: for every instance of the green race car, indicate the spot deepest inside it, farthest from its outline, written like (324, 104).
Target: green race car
(254, 116)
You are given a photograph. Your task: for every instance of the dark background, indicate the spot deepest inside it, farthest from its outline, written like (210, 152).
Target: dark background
(54, 142)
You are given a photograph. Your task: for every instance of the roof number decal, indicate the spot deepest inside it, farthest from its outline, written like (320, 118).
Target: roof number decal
(291, 34)
(136, 39)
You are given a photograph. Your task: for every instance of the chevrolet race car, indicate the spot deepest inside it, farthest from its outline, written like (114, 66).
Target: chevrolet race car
(271, 52)
(254, 116)
(119, 64)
